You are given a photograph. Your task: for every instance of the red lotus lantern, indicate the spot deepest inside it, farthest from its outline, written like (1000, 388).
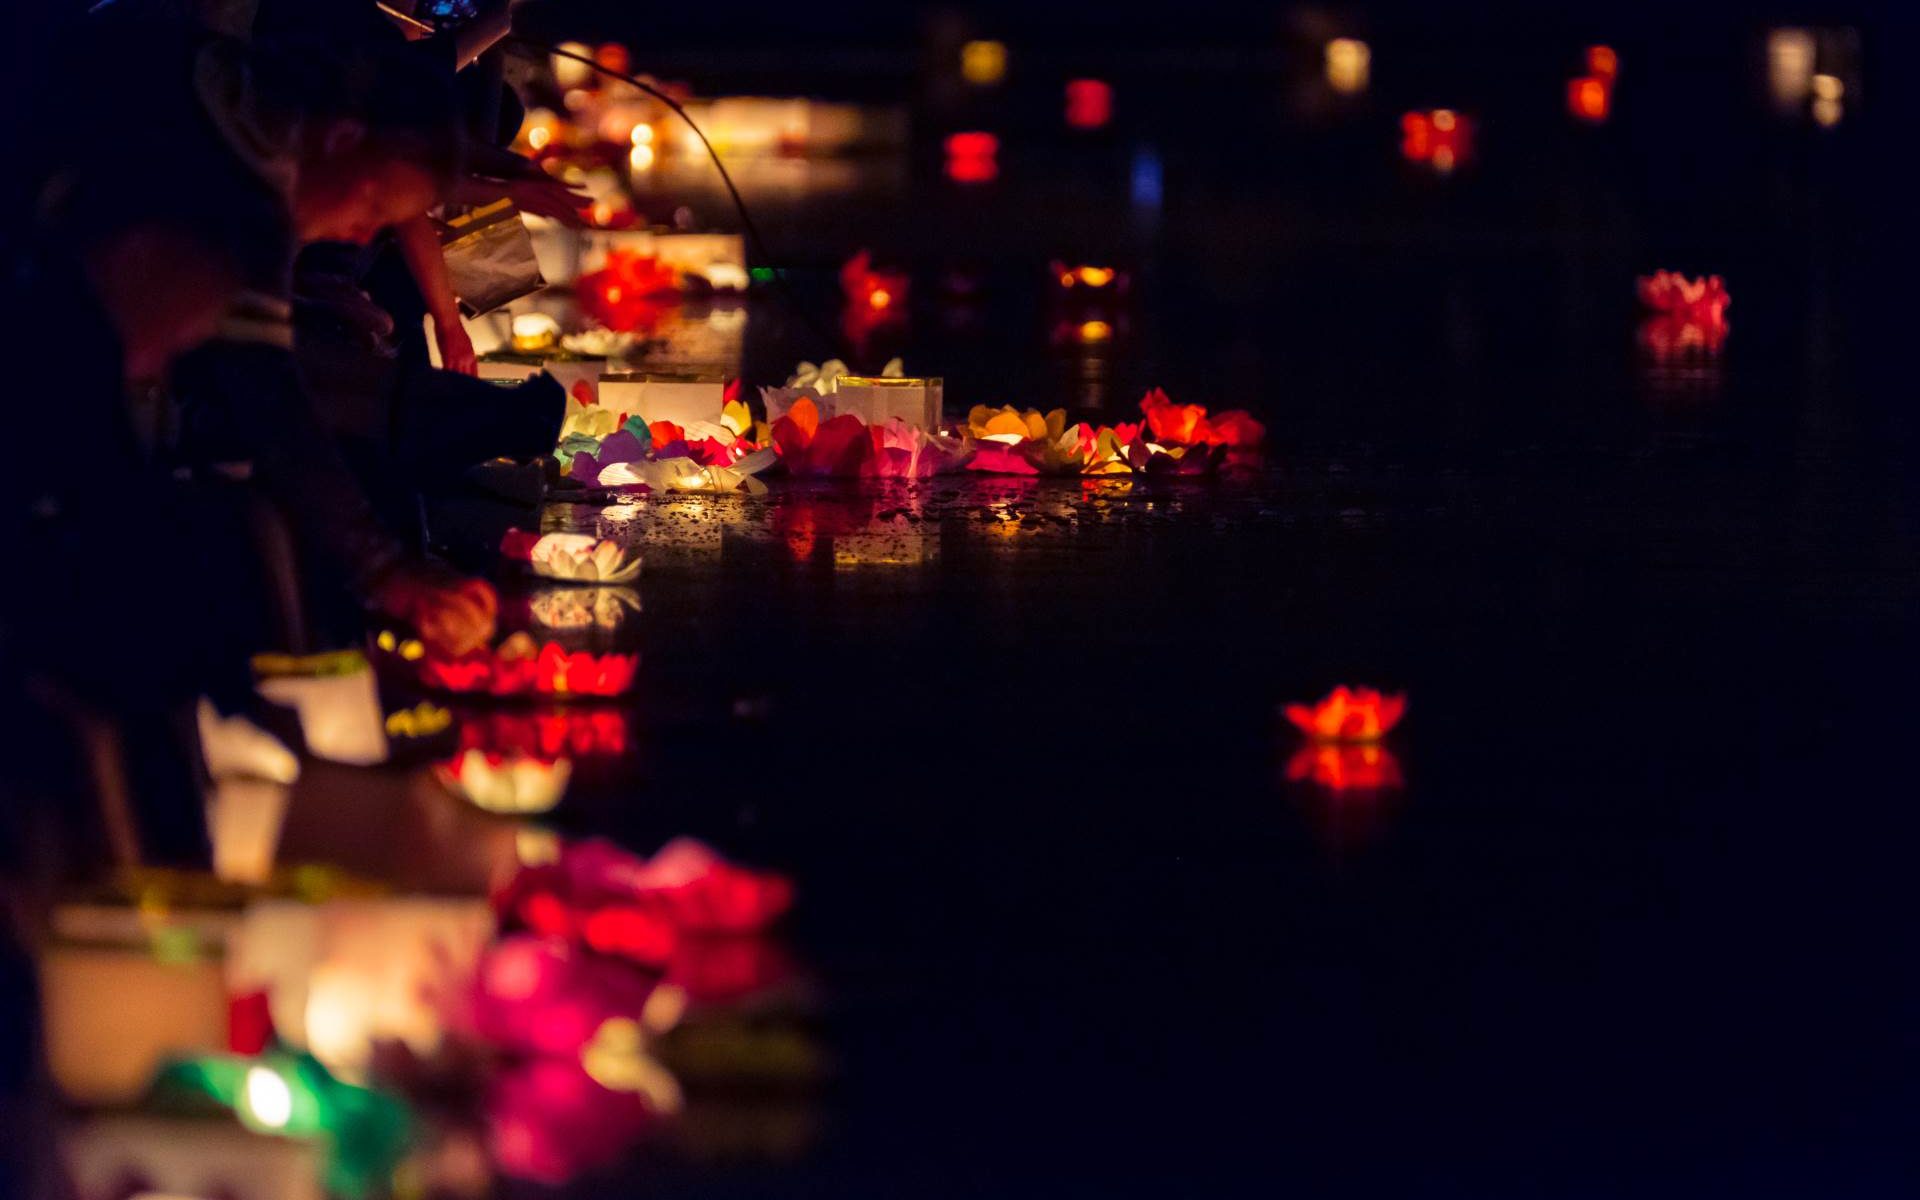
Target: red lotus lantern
(1349, 715)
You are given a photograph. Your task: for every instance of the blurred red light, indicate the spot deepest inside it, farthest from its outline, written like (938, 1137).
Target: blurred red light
(1589, 98)
(1089, 104)
(973, 157)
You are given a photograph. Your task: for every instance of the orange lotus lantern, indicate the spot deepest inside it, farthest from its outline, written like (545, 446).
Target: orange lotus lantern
(1348, 767)
(1349, 715)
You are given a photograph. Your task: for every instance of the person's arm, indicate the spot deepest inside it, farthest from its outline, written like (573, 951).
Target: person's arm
(243, 398)
(419, 244)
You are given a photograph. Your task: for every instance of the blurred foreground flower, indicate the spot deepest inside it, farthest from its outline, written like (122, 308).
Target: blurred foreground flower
(1349, 715)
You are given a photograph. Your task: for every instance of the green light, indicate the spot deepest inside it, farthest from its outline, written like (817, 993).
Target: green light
(761, 274)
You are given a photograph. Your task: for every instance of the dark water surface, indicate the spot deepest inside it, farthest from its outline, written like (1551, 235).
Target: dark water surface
(1638, 921)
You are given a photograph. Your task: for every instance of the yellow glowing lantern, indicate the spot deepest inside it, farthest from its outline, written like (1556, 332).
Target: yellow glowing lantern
(1790, 58)
(1349, 65)
(535, 332)
(983, 64)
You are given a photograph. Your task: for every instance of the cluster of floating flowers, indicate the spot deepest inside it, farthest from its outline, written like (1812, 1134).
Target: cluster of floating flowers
(610, 451)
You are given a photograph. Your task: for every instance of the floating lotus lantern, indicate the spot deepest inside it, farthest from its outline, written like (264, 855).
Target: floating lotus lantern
(535, 333)
(1346, 767)
(1349, 715)
(509, 784)
(521, 666)
(1688, 317)
(599, 343)
(1668, 292)
(573, 557)
(549, 735)
(573, 607)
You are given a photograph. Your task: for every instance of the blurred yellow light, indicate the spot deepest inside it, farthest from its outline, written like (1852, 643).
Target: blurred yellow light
(1790, 56)
(575, 99)
(880, 298)
(267, 1098)
(983, 64)
(641, 157)
(642, 134)
(1096, 331)
(1443, 159)
(568, 73)
(1349, 64)
(1828, 87)
(539, 136)
(536, 847)
(1096, 277)
(1827, 112)
(1444, 120)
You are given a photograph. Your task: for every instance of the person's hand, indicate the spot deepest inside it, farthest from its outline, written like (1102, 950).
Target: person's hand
(454, 615)
(456, 348)
(548, 197)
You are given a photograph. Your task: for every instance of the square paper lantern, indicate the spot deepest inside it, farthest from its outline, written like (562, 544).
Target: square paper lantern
(113, 1014)
(682, 399)
(876, 400)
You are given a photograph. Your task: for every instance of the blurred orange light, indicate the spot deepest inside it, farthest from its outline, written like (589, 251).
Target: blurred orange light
(1603, 63)
(1089, 104)
(1093, 332)
(1349, 62)
(983, 64)
(1589, 99)
(614, 57)
(1440, 138)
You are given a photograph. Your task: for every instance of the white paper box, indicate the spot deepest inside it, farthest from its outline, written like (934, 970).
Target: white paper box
(876, 401)
(679, 399)
(579, 377)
